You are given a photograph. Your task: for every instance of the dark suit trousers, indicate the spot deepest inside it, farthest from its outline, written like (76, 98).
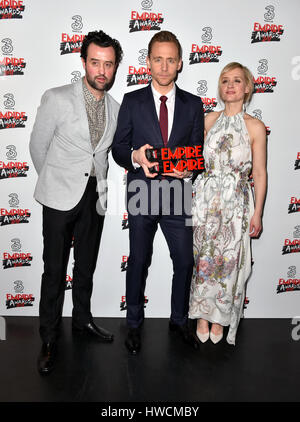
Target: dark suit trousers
(59, 227)
(179, 237)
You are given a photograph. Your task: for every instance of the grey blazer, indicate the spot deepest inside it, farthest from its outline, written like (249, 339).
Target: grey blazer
(61, 149)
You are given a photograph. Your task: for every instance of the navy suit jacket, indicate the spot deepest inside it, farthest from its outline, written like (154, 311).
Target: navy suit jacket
(138, 125)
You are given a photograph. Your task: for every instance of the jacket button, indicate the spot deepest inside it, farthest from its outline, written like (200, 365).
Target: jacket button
(86, 174)
(93, 155)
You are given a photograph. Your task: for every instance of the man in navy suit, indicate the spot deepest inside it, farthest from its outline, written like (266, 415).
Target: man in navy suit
(160, 114)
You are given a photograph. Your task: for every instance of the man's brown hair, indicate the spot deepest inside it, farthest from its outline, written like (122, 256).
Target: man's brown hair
(165, 36)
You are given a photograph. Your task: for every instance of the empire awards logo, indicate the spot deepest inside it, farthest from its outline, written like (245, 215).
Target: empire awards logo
(292, 246)
(124, 263)
(16, 258)
(11, 9)
(206, 53)
(19, 299)
(72, 43)
(246, 302)
(139, 75)
(9, 65)
(12, 168)
(294, 205)
(209, 103)
(15, 215)
(123, 305)
(69, 282)
(9, 118)
(291, 283)
(297, 162)
(69, 279)
(263, 83)
(125, 224)
(268, 31)
(125, 177)
(145, 20)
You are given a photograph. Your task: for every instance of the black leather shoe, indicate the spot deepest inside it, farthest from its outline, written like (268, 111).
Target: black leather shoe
(133, 340)
(46, 358)
(187, 335)
(97, 332)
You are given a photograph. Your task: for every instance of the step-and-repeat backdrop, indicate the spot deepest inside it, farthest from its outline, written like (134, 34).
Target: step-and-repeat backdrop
(39, 49)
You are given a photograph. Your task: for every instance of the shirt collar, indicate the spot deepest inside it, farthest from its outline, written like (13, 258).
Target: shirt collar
(170, 94)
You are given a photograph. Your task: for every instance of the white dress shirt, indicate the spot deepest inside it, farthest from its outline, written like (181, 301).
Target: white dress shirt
(170, 103)
(170, 107)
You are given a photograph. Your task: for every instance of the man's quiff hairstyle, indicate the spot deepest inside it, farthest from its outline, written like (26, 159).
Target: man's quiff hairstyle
(165, 36)
(101, 39)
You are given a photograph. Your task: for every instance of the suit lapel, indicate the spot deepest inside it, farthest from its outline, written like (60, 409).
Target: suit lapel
(107, 120)
(149, 115)
(177, 119)
(83, 129)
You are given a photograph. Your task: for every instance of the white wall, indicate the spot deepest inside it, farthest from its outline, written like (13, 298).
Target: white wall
(36, 37)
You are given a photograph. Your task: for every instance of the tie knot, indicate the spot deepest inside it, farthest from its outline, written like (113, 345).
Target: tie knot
(163, 99)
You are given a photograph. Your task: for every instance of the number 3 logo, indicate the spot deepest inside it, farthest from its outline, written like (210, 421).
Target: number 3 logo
(7, 48)
(270, 15)
(207, 36)
(77, 25)
(12, 153)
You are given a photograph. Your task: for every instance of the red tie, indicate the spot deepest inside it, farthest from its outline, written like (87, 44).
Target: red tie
(163, 119)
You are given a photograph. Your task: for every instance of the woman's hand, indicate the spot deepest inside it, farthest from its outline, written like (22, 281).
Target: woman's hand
(255, 226)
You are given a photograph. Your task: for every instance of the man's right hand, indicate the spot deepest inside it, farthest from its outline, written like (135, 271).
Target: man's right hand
(139, 157)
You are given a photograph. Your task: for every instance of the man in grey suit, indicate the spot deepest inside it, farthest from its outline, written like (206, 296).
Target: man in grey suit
(69, 145)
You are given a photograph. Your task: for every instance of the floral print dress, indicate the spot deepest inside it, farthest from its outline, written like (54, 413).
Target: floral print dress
(221, 209)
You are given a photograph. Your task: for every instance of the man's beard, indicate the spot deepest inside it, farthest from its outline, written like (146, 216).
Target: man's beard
(95, 85)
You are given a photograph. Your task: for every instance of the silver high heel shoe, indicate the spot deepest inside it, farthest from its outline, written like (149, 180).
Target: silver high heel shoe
(203, 337)
(215, 338)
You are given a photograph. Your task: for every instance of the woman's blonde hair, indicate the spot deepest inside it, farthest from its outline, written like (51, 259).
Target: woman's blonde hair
(247, 75)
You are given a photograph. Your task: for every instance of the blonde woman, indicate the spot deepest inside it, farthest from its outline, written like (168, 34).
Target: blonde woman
(225, 215)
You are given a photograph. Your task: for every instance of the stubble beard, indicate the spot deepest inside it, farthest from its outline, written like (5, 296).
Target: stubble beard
(98, 87)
